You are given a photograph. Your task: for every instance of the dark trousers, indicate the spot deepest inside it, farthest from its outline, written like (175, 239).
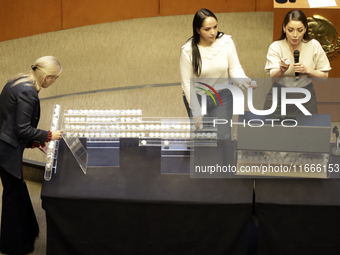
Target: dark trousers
(19, 226)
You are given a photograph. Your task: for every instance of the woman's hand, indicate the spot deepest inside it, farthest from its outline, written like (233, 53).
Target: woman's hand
(284, 65)
(56, 135)
(300, 68)
(198, 121)
(249, 84)
(43, 148)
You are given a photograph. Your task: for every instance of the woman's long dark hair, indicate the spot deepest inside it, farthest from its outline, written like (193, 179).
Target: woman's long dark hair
(296, 15)
(199, 18)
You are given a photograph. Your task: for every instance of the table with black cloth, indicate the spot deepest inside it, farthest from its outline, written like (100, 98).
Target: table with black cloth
(299, 216)
(134, 209)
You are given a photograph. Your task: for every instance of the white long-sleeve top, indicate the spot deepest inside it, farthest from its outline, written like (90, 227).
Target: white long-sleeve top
(219, 62)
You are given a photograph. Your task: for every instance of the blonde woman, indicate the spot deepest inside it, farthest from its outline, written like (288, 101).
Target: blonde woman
(19, 117)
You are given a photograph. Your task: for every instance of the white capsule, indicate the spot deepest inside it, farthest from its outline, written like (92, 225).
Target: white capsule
(51, 145)
(86, 112)
(178, 135)
(166, 143)
(71, 119)
(138, 112)
(122, 134)
(182, 135)
(156, 134)
(70, 111)
(142, 134)
(143, 142)
(172, 135)
(151, 134)
(77, 119)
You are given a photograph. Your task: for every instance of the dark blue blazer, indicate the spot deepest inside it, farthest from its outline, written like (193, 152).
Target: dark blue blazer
(19, 117)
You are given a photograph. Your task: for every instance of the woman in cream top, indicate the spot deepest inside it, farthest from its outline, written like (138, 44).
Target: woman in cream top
(313, 62)
(210, 57)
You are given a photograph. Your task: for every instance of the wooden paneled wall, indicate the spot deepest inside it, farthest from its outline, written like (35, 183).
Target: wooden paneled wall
(21, 18)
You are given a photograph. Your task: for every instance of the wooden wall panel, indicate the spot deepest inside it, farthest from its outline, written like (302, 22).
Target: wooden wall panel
(264, 5)
(182, 7)
(78, 13)
(21, 18)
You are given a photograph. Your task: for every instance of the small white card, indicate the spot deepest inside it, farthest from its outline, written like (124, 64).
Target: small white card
(321, 3)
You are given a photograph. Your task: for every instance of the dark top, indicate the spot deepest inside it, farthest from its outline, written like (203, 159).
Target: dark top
(19, 117)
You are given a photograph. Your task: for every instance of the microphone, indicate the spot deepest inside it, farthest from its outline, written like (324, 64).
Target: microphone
(296, 60)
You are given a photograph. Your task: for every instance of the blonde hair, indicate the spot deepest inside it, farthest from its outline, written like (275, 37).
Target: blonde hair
(43, 67)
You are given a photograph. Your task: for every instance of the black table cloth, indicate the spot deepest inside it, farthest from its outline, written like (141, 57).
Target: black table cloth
(134, 209)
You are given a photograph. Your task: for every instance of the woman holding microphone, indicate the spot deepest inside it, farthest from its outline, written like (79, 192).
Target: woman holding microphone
(294, 60)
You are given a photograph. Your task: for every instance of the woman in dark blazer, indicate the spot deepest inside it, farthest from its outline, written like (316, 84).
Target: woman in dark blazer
(19, 117)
